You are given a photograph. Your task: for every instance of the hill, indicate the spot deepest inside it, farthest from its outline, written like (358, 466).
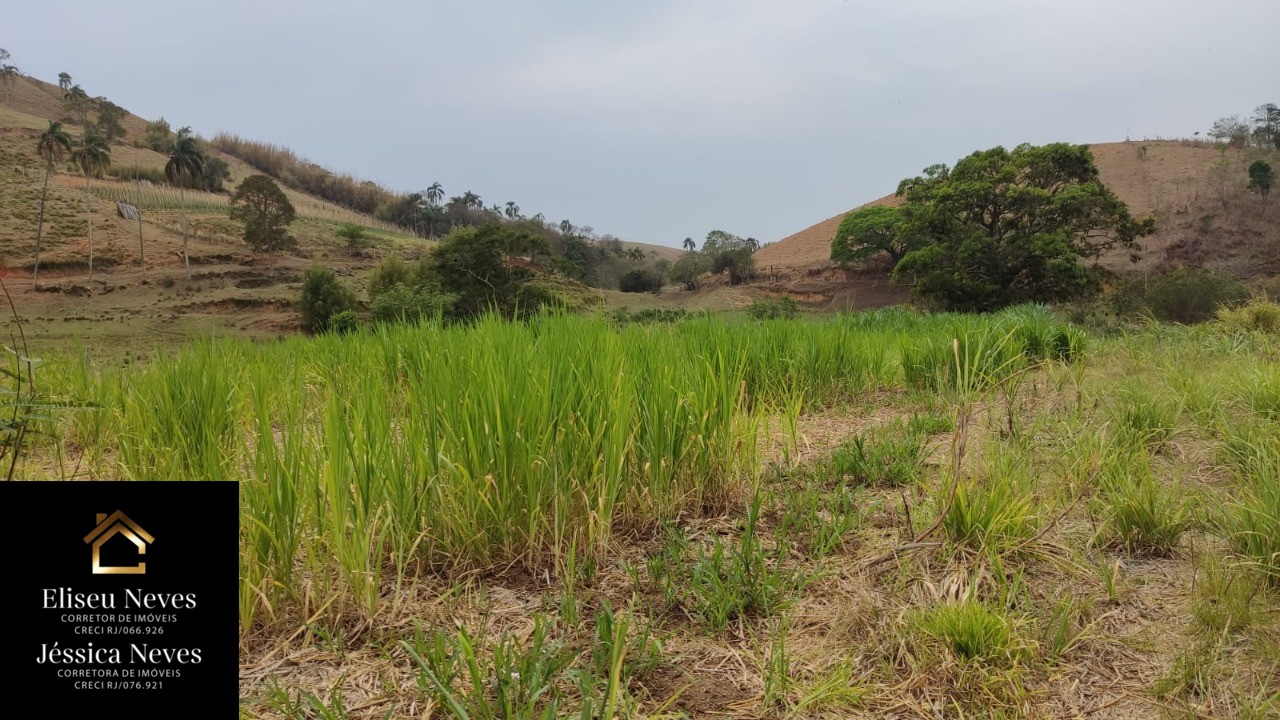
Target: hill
(1194, 189)
(230, 289)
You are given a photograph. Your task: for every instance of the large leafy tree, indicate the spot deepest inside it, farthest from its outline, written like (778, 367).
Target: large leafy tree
(92, 156)
(185, 166)
(53, 146)
(690, 268)
(266, 213)
(478, 266)
(868, 232)
(732, 253)
(1006, 227)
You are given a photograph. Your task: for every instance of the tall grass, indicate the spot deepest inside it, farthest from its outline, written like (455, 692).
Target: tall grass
(368, 459)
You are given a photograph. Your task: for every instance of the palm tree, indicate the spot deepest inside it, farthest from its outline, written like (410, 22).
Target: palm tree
(53, 145)
(93, 156)
(78, 101)
(753, 244)
(690, 245)
(186, 165)
(566, 228)
(513, 210)
(435, 193)
(9, 75)
(470, 199)
(635, 254)
(64, 82)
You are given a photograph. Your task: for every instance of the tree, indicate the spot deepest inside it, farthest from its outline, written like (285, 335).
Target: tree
(158, 136)
(472, 200)
(435, 193)
(1004, 227)
(354, 235)
(690, 245)
(635, 254)
(214, 174)
(64, 82)
(79, 103)
(690, 268)
(431, 215)
(1266, 125)
(1261, 179)
(185, 165)
(867, 232)
(324, 297)
(53, 145)
(512, 210)
(266, 213)
(473, 265)
(1232, 129)
(92, 156)
(730, 252)
(110, 116)
(9, 75)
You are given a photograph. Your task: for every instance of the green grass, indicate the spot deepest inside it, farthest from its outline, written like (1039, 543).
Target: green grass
(374, 458)
(972, 632)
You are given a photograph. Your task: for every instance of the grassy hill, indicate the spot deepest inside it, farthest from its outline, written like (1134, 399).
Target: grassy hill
(1201, 219)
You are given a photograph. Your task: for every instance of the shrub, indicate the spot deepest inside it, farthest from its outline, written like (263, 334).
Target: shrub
(651, 315)
(637, 281)
(344, 323)
(1259, 315)
(354, 235)
(323, 297)
(1186, 295)
(405, 303)
(783, 308)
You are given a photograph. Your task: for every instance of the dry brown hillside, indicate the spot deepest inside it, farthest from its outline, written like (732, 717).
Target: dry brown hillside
(230, 288)
(1195, 190)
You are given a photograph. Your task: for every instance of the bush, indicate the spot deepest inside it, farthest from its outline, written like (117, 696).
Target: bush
(651, 315)
(637, 281)
(1259, 315)
(1186, 295)
(354, 235)
(404, 303)
(324, 296)
(344, 323)
(783, 308)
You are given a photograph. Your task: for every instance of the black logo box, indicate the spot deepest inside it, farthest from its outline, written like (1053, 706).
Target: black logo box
(155, 644)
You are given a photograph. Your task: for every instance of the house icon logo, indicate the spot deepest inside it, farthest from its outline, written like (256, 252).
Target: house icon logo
(117, 523)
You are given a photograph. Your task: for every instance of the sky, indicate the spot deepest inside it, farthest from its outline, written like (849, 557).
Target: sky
(664, 119)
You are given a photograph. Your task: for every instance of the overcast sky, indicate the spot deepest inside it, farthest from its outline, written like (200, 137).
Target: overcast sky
(662, 119)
